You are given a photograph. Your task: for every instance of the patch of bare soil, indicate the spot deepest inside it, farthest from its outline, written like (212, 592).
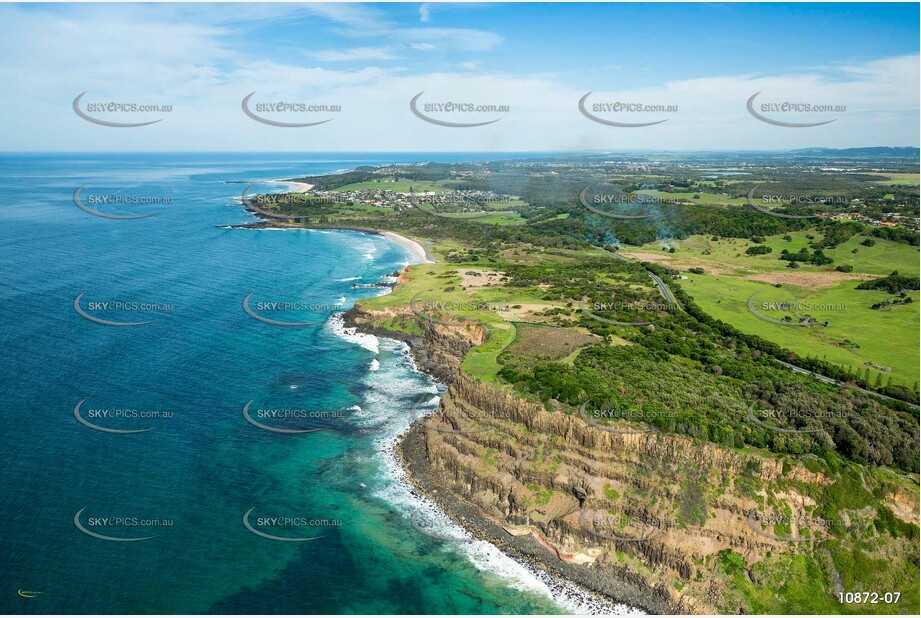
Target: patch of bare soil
(549, 342)
(525, 312)
(473, 278)
(824, 279)
(681, 262)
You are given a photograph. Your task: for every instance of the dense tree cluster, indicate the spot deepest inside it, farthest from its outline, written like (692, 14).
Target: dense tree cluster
(696, 376)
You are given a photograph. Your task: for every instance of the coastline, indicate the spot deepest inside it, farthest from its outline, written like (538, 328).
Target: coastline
(617, 595)
(513, 567)
(296, 187)
(414, 247)
(574, 587)
(565, 589)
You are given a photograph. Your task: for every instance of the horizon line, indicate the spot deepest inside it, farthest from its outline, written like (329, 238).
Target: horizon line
(584, 151)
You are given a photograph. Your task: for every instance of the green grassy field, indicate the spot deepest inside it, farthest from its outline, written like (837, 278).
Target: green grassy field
(500, 217)
(729, 254)
(704, 198)
(482, 362)
(885, 338)
(503, 218)
(401, 185)
(855, 333)
(440, 283)
(902, 179)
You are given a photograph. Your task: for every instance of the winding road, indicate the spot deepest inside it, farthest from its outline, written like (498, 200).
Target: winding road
(670, 298)
(834, 382)
(663, 289)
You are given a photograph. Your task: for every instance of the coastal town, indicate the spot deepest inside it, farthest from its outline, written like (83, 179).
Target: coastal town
(680, 183)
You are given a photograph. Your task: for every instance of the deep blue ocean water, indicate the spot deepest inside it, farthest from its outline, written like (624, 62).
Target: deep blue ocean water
(189, 480)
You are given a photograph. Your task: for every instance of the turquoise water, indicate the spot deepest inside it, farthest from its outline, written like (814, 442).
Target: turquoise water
(189, 480)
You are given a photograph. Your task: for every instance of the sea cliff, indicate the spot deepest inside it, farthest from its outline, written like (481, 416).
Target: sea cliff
(642, 518)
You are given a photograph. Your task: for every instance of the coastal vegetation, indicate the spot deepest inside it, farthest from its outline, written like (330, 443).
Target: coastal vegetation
(594, 358)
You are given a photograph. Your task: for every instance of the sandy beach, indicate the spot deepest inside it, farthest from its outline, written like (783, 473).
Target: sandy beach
(296, 187)
(412, 246)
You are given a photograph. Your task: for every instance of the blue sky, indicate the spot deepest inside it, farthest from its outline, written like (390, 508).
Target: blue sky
(705, 60)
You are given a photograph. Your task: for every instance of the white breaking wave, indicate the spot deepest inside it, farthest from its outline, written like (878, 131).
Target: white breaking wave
(349, 279)
(336, 325)
(390, 385)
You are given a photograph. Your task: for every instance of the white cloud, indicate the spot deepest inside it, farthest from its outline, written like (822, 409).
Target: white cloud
(425, 12)
(458, 39)
(353, 54)
(144, 55)
(358, 16)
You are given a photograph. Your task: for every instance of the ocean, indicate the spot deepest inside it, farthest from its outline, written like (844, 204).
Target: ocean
(149, 518)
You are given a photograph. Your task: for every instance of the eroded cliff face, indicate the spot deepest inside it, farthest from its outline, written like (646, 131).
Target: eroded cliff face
(438, 350)
(648, 510)
(648, 505)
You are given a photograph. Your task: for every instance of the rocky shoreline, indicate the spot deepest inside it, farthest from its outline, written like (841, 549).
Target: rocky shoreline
(524, 548)
(428, 352)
